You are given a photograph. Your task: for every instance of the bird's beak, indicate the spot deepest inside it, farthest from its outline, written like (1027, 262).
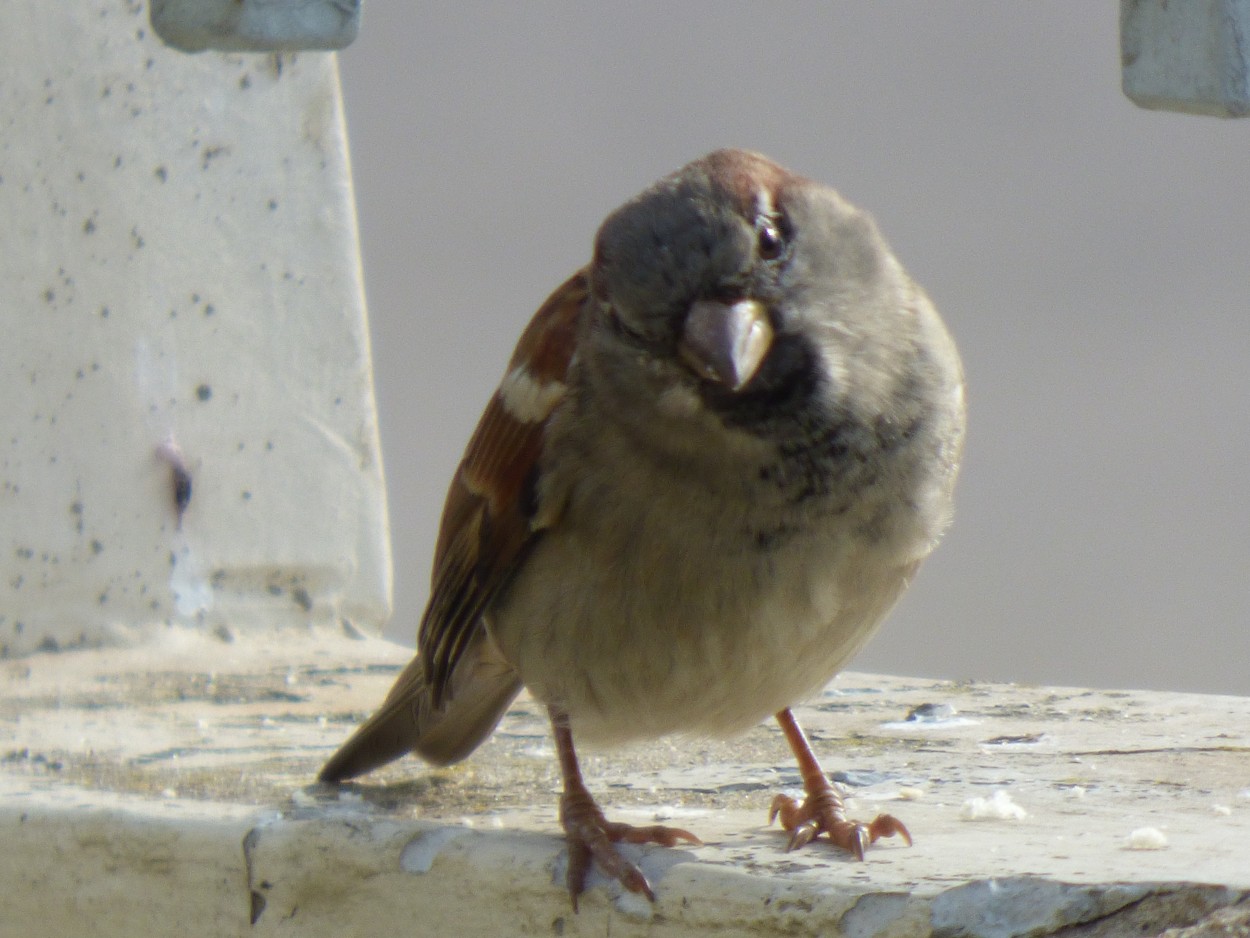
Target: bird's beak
(726, 342)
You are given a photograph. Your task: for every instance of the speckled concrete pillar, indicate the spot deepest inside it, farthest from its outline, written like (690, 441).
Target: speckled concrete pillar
(188, 431)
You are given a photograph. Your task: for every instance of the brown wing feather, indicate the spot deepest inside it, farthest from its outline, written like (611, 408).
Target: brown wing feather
(454, 692)
(485, 529)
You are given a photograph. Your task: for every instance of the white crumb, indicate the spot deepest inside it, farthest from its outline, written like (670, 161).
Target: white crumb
(910, 793)
(1147, 838)
(1221, 810)
(662, 812)
(634, 905)
(997, 807)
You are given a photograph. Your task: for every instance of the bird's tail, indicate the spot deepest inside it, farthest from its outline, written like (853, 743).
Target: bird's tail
(481, 688)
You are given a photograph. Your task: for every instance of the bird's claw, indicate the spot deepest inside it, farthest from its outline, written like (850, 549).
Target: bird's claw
(591, 838)
(823, 812)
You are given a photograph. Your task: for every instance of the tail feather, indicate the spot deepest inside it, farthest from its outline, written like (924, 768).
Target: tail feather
(480, 690)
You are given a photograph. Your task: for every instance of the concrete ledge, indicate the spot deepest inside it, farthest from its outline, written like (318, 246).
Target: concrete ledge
(144, 791)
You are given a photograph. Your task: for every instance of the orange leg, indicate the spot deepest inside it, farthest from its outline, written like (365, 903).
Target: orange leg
(822, 810)
(590, 835)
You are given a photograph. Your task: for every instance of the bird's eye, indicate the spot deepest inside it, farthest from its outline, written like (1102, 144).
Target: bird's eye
(768, 239)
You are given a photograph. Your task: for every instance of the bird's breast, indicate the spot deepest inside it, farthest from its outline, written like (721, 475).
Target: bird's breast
(650, 609)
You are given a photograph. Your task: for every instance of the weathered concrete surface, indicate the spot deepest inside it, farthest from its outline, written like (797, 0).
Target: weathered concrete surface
(147, 791)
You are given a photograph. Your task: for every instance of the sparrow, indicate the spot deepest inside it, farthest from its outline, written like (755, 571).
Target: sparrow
(717, 458)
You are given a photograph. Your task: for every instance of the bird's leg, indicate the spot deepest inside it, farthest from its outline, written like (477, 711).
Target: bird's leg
(822, 810)
(590, 835)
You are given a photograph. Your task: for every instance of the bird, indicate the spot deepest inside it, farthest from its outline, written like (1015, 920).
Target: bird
(716, 459)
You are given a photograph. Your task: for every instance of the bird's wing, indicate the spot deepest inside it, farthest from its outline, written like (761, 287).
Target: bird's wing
(487, 518)
(450, 697)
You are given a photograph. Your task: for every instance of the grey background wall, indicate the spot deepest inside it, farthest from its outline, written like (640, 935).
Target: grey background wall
(1093, 260)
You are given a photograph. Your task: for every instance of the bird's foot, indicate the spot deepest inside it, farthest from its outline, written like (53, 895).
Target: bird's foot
(822, 811)
(591, 837)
